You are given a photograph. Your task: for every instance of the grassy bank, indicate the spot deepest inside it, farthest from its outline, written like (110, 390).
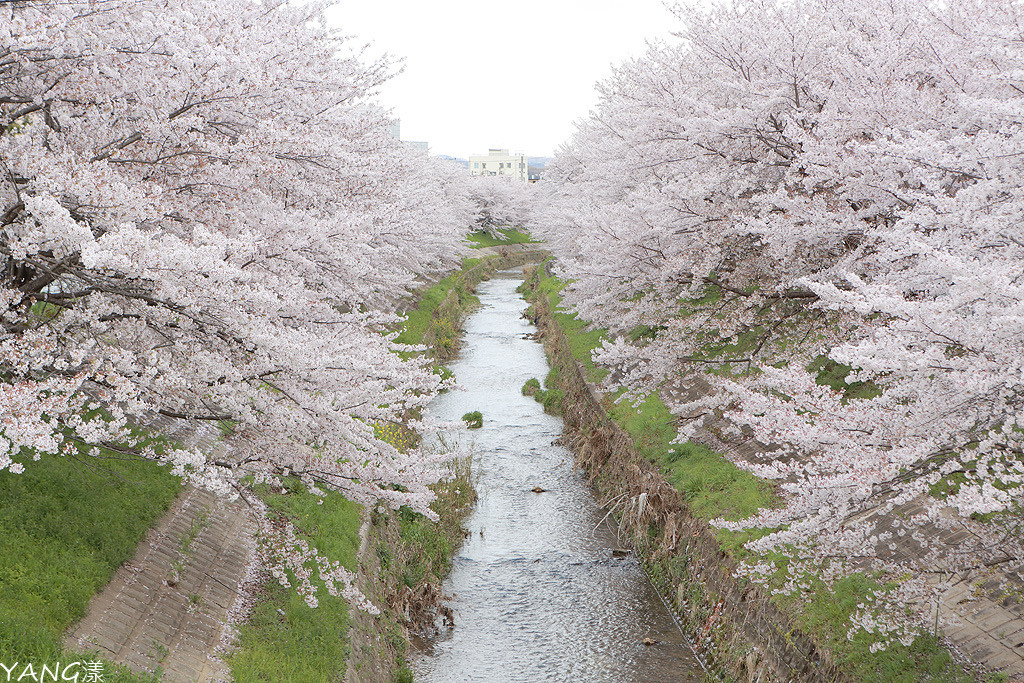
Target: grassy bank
(506, 237)
(284, 639)
(436, 321)
(710, 486)
(414, 555)
(66, 525)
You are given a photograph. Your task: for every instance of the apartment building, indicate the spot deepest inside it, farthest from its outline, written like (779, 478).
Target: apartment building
(500, 162)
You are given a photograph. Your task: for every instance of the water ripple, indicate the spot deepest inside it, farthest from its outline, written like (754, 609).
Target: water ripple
(538, 594)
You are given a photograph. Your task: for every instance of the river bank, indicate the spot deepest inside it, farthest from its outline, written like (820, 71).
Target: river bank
(162, 605)
(628, 453)
(400, 558)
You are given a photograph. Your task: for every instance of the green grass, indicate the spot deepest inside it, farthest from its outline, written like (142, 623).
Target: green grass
(551, 396)
(427, 548)
(284, 639)
(417, 321)
(66, 525)
(416, 554)
(831, 374)
(651, 425)
(482, 238)
(827, 615)
(436, 322)
(582, 338)
(713, 486)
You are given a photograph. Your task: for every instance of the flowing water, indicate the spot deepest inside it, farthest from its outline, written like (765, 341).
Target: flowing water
(538, 594)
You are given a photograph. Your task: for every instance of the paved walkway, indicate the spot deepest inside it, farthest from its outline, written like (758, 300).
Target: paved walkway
(989, 603)
(166, 609)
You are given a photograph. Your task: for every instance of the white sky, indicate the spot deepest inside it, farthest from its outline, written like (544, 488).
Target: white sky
(499, 73)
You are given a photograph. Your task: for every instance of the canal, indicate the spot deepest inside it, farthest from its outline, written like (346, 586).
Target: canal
(538, 593)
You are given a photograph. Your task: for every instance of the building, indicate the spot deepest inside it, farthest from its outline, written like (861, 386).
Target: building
(395, 129)
(500, 162)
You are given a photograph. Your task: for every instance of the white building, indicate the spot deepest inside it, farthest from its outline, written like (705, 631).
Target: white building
(500, 162)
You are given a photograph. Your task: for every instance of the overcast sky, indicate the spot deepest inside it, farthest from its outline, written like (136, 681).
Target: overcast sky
(486, 73)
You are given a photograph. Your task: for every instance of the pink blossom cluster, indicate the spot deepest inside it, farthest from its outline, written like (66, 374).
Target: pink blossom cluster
(500, 203)
(203, 214)
(788, 189)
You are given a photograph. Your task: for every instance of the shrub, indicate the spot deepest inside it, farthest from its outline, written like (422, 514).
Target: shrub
(474, 420)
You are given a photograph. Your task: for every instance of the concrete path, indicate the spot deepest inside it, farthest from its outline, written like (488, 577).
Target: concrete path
(992, 627)
(166, 609)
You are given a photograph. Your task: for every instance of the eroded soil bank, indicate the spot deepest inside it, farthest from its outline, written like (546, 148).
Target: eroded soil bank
(737, 630)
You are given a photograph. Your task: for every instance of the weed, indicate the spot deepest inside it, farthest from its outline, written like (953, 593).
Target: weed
(437, 319)
(550, 397)
(396, 434)
(404, 675)
(418, 553)
(826, 615)
(186, 546)
(714, 487)
(198, 523)
(66, 525)
(159, 651)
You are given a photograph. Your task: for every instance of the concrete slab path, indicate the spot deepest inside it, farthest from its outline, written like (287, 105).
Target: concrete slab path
(166, 610)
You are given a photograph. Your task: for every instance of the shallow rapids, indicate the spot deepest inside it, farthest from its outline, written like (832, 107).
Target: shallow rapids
(538, 594)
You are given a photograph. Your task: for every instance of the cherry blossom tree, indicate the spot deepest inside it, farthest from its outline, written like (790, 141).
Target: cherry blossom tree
(203, 216)
(500, 203)
(818, 183)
